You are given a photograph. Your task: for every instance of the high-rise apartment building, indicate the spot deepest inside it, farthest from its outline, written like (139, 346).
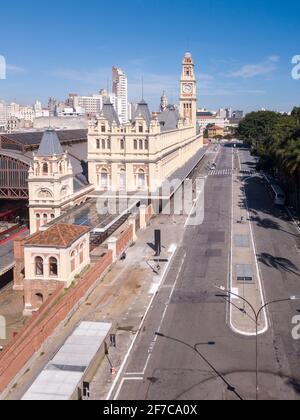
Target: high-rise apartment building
(120, 89)
(91, 104)
(4, 112)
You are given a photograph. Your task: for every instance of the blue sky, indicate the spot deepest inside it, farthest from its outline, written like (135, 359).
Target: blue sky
(242, 49)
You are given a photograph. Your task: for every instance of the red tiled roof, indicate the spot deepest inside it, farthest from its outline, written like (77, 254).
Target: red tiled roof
(61, 236)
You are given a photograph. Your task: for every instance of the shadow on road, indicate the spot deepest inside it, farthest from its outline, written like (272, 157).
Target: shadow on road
(295, 384)
(278, 263)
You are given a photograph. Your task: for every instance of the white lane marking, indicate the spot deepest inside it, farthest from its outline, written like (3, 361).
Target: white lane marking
(265, 329)
(236, 291)
(172, 248)
(199, 195)
(229, 286)
(153, 343)
(117, 378)
(187, 223)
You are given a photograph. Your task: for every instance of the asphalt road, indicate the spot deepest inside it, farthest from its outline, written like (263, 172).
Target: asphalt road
(187, 309)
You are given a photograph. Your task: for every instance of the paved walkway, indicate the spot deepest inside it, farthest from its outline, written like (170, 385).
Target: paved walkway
(122, 297)
(11, 308)
(245, 275)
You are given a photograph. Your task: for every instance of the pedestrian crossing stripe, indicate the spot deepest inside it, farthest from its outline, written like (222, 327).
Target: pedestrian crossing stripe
(221, 172)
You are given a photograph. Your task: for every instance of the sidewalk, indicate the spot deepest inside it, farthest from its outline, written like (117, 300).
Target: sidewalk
(122, 298)
(245, 275)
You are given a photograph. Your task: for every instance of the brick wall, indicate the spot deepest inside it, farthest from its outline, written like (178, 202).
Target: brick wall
(42, 287)
(125, 239)
(149, 213)
(19, 263)
(42, 325)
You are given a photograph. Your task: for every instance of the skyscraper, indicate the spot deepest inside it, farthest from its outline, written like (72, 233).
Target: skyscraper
(120, 89)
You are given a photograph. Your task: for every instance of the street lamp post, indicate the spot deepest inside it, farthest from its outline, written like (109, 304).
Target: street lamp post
(256, 315)
(195, 349)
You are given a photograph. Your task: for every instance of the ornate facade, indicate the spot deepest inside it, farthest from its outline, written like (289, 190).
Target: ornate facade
(52, 257)
(142, 154)
(51, 183)
(188, 90)
(137, 156)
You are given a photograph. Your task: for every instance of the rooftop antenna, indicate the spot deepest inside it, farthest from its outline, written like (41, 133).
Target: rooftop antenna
(49, 119)
(142, 87)
(172, 97)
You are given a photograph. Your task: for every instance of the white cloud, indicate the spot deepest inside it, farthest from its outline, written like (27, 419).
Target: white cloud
(252, 70)
(15, 69)
(96, 77)
(274, 58)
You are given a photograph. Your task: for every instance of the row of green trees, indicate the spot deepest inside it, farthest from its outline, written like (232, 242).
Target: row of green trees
(275, 138)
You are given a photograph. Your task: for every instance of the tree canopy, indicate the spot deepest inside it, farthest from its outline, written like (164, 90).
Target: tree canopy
(275, 138)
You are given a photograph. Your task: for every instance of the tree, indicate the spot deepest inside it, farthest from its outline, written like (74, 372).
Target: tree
(256, 129)
(275, 138)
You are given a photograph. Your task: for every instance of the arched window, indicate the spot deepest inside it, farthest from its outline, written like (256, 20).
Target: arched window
(141, 145)
(98, 144)
(39, 266)
(109, 144)
(102, 128)
(38, 216)
(122, 179)
(39, 299)
(146, 144)
(103, 145)
(141, 129)
(45, 217)
(122, 144)
(45, 169)
(141, 179)
(135, 144)
(52, 216)
(73, 261)
(53, 267)
(104, 178)
(81, 253)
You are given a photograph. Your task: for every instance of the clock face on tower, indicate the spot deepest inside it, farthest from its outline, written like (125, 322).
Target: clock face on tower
(187, 88)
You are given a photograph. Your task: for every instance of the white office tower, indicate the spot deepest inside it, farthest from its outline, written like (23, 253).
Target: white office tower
(4, 112)
(120, 89)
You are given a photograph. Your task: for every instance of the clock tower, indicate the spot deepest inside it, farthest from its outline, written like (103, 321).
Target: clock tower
(188, 90)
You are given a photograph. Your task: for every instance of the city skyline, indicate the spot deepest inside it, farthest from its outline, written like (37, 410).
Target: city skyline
(250, 70)
(150, 203)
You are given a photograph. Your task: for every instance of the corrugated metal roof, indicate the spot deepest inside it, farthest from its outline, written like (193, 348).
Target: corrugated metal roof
(34, 138)
(59, 380)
